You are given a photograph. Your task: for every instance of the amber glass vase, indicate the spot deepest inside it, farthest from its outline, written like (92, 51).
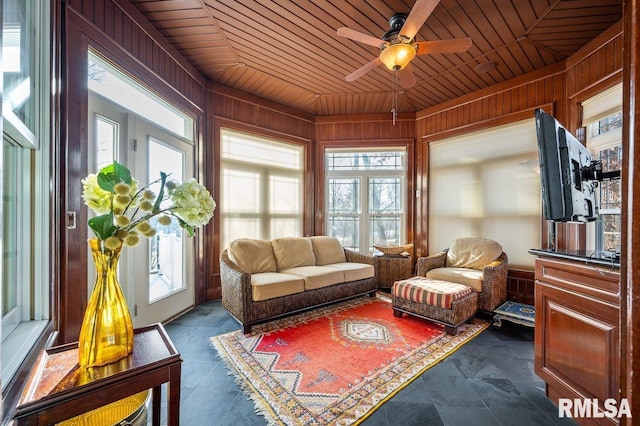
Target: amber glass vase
(107, 332)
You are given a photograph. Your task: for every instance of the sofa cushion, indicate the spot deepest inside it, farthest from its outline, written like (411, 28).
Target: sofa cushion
(475, 253)
(291, 252)
(354, 271)
(268, 285)
(466, 276)
(327, 250)
(317, 276)
(253, 256)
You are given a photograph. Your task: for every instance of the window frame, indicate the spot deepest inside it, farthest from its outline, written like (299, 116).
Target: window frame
(363, 213)
(33, 211)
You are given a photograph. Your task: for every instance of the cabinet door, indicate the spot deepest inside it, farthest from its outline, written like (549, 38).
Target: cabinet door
(577, 331)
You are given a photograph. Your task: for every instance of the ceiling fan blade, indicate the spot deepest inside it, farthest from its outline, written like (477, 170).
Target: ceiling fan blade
(358, 36)
(454, 45)
(420, 12)
(363, 70)
(406, 77)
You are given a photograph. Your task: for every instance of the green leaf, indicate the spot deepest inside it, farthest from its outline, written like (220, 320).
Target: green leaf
(103, 226)
(163, 180)
(112, 175)
(184, 225)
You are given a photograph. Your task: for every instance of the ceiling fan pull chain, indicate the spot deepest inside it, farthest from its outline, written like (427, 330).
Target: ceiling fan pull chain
(394, 109)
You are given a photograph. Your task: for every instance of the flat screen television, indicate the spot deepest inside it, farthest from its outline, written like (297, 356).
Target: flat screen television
(568, 193)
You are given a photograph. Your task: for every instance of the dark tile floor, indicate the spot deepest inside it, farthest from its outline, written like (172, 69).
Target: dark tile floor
(489, 381)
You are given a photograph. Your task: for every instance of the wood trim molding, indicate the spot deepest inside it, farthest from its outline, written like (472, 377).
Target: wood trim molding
(630, 259)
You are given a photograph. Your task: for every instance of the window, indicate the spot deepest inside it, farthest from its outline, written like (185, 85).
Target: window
(25, 176)
(113, 84)
(366, 197)
(262, 184)
(602, 116)
(486, 184)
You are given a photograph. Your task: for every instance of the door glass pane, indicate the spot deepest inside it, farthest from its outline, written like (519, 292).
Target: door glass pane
(106, 141)
(166, 249)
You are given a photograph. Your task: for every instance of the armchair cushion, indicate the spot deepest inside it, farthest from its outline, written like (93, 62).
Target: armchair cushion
(474, 253)
(469, 277)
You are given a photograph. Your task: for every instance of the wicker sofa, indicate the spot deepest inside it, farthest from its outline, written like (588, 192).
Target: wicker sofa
(266, 279)
(476, 262)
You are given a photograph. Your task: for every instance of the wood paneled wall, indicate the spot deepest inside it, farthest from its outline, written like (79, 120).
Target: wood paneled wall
(125, 26)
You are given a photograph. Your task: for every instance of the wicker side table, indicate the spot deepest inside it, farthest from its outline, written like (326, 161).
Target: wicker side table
(391, 268)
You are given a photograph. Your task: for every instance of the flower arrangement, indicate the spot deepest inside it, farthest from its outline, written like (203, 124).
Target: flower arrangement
(123, 211)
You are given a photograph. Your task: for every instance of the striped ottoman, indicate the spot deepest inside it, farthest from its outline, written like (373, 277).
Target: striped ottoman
(446, 303)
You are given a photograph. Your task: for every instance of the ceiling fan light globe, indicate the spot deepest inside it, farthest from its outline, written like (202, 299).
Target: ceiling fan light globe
(396, 56)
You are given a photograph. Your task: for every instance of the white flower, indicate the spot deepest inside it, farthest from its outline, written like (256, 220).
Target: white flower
(192, 203)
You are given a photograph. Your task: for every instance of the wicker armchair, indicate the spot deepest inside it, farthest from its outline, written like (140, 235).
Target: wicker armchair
(494, 278)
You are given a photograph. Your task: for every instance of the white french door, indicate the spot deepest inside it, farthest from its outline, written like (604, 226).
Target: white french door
(157, 275)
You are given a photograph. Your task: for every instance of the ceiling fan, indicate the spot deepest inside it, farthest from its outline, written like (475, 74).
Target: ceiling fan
(398, 45)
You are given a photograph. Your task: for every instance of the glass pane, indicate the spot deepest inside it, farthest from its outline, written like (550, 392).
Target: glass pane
(612, 237)
(611, 191)
(384, 230)
(18, 106)
(106, 141)
(344, 196)
(235, 228)
(166, 249)
(10, 229)
(385, 195)
(285, 227)
(248, 149)
(241, 191)
(385, 160)
(345, 229)
(284, 194)
(109, 82)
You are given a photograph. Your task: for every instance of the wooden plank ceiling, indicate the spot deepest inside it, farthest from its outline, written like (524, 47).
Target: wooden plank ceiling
(287, 51)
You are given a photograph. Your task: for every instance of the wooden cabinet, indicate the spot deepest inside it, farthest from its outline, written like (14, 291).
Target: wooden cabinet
(577, 331)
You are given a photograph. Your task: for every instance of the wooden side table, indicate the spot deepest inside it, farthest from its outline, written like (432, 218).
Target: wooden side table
(391, 268)
(57, 389)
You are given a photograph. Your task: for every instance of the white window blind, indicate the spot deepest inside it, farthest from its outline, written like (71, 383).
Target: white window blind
(262, 187)
(602, 105)
(487, 184)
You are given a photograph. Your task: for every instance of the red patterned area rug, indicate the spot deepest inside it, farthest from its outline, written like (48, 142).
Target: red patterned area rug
(335, 365)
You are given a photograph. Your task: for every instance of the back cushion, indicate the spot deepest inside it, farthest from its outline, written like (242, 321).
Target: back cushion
(291, 252)
(253, 256)
(474, 253)
(327, 250)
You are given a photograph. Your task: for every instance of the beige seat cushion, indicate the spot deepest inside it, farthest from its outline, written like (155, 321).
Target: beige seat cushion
(317, 276)
(291, 252)
(327, 250)
(466, 276)
(354, 271)
(475, 253)
(252, 256)
(268, 285)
